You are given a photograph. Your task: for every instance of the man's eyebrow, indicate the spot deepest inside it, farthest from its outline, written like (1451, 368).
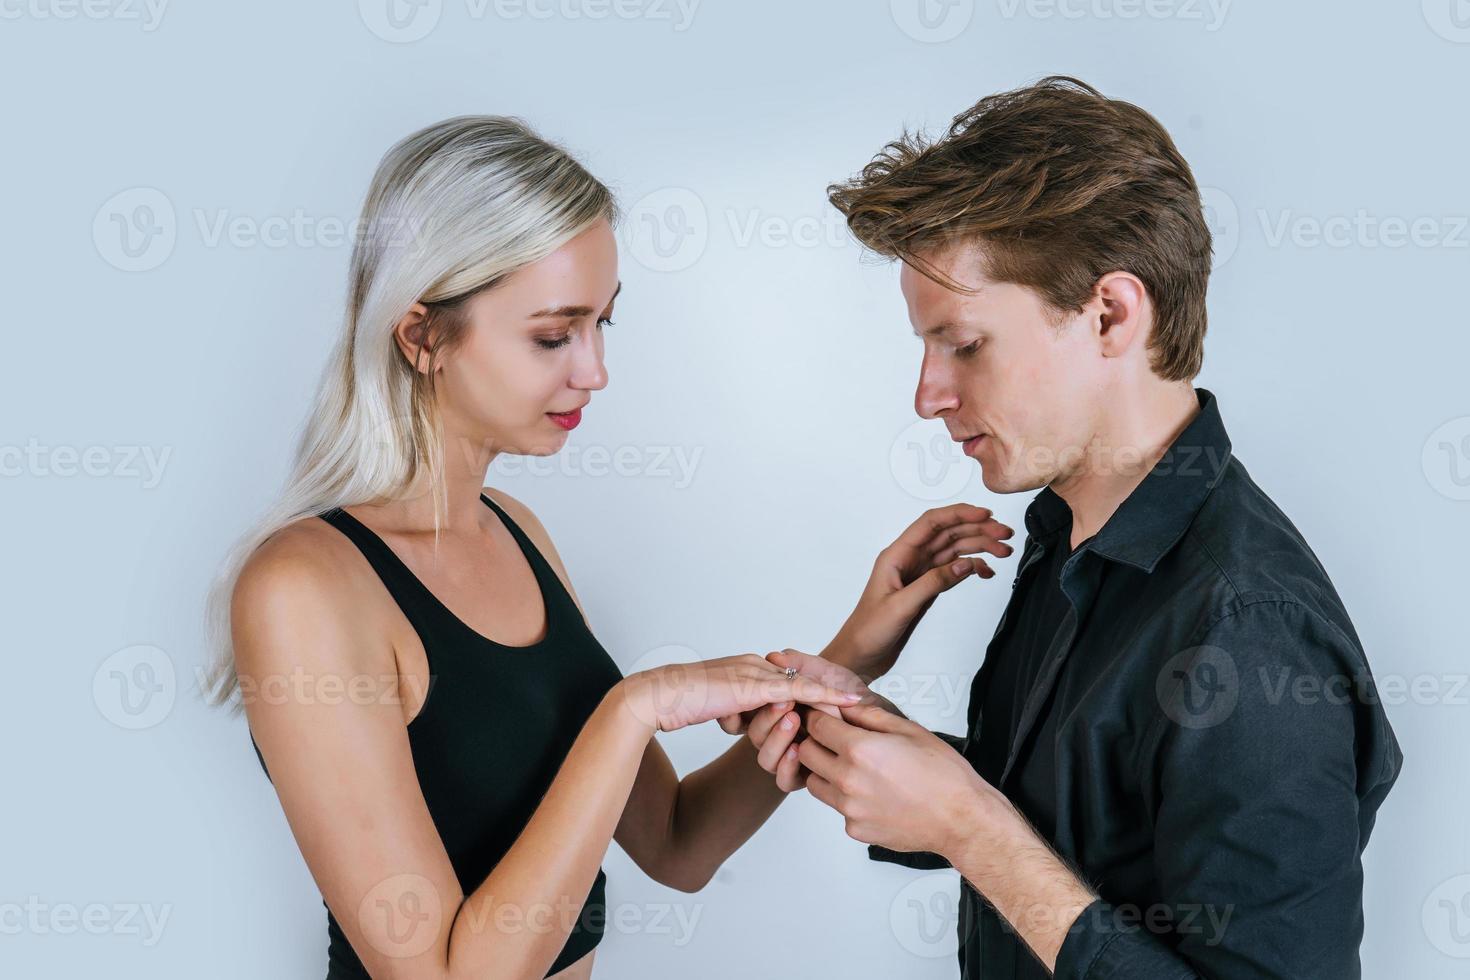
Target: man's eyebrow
(564, 312)
(943, 326)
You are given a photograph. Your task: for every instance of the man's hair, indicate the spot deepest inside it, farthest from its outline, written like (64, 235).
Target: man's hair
(1058, 185)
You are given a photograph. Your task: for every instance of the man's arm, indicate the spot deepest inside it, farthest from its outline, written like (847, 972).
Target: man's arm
(1263, 801)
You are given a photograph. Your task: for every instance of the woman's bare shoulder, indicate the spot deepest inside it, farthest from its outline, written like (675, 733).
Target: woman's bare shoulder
(307, 583)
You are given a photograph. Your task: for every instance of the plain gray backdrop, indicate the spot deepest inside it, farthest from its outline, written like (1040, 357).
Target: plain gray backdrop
(178, 185)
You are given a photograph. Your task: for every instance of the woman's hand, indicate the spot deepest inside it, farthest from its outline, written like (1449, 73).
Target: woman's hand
(776, 729)
(907, 577)
(679, 695)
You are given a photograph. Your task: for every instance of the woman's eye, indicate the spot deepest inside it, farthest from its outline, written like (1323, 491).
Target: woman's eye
(561, 341)
(604, 322)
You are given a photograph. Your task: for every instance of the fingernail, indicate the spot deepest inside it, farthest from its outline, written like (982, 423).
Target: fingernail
(960, 567)
(852, 697)
(791, 752)
(786, 723)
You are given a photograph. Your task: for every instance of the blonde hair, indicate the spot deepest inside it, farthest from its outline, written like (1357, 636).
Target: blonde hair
(452, 210)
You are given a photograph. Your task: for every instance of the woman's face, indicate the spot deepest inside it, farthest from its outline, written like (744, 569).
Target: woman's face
(531, 355)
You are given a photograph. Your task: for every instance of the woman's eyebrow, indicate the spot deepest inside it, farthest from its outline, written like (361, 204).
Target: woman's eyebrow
(562, 312)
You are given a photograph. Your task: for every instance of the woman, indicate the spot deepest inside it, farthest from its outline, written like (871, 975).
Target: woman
(452, 747)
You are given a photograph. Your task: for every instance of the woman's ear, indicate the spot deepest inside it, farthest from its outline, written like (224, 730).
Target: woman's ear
(1125, 309)
(411, 333)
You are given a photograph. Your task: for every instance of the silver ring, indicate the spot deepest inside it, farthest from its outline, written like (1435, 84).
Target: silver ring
(790, 673)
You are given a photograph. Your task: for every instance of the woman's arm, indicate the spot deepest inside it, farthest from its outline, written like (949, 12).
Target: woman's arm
(343, 769)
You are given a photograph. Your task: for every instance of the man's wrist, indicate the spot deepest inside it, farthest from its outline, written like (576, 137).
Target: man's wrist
(842, 653)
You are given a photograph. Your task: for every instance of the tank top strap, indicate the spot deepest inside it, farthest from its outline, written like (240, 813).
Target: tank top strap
(552, 589)
(419, 605)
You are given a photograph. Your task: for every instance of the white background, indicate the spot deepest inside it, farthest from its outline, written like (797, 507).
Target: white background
(759, 345)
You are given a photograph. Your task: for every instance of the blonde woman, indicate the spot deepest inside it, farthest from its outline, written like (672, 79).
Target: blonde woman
(452, 747)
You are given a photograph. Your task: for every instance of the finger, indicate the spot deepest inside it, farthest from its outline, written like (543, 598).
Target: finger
(821, 760)
(910, 600)
(969, 544)
(777, 743)
(808, 691)
(822, 790)
(733, 724)
(834, 734)
(991, 528)
(764, 721)
(935, 521)
(873, 718)
(791, 775)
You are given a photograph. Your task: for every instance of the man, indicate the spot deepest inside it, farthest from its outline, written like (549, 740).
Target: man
(1175, 750)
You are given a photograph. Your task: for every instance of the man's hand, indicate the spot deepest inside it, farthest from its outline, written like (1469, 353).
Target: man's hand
(897, 783)
(907, 577)
(775, 729)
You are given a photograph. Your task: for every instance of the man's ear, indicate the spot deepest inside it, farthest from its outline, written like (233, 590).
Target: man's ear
(411, 334)
(1124, 311)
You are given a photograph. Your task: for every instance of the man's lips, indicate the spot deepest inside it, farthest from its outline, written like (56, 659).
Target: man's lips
(567, 420)
(971, 443)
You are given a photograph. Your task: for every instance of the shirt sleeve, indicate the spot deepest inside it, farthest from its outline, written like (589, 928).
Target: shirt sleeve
(1268, 762)
(918, 860)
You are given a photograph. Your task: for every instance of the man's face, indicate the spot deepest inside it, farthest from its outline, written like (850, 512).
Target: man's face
(1023, 393)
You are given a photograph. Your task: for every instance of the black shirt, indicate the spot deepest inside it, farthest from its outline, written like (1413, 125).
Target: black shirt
(1198, 734)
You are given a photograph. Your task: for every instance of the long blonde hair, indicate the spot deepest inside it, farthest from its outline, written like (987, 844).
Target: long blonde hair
(452, 210)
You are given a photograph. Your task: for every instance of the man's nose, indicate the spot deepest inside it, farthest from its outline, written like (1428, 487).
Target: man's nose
(935, 395)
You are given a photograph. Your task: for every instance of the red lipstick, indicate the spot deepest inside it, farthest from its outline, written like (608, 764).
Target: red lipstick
(567, 420)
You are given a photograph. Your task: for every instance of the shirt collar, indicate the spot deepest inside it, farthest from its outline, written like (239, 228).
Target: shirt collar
(1160, 509)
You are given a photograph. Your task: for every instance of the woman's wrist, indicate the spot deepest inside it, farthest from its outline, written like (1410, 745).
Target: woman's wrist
(631, 701)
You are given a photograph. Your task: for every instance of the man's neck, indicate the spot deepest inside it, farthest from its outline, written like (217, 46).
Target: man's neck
(1136, 434)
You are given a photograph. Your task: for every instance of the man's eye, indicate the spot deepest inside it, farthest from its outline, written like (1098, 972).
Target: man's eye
(968, 349)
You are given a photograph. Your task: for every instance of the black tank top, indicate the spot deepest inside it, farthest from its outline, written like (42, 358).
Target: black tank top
(496, 723)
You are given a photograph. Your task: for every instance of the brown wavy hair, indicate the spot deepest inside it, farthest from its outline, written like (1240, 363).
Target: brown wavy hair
(1057, 185)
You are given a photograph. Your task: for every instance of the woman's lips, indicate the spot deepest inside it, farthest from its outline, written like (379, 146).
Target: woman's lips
(567, 420)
